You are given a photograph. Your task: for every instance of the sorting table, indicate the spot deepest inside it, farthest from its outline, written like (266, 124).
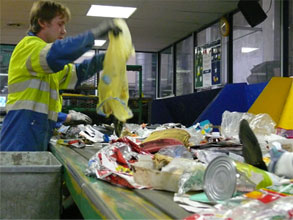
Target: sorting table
(98, 199)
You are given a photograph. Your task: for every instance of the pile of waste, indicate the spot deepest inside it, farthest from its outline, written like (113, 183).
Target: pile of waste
(242, 169)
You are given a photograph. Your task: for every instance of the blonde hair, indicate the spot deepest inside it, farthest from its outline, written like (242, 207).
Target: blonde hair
(46, 11)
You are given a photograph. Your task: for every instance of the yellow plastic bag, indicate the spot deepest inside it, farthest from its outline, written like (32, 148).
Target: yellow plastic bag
(113, 85)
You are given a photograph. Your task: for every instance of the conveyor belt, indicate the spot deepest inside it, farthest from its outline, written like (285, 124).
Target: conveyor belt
(99, 199)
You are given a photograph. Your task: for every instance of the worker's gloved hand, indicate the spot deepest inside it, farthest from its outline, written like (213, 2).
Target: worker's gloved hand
(105, 27)
(75, 118)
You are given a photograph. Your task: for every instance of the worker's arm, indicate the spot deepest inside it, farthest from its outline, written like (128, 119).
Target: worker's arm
(89, 67)
(74, 74)
(72, 118)
(65, 51)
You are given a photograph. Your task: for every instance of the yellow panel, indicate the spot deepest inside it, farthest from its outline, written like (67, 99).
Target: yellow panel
(286, 120)
(276, 100)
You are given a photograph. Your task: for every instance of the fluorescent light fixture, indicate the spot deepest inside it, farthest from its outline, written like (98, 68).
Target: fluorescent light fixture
(99, 43)
(110, 11)
(248, 49)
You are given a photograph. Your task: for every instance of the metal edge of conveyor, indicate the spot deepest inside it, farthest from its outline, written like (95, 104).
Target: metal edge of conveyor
(89, 192)
(84, 152)
(176, 212)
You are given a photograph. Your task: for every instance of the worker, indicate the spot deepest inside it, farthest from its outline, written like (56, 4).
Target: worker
(41, 65)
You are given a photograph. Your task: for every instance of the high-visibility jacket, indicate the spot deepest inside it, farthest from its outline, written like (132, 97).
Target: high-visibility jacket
(37, 71)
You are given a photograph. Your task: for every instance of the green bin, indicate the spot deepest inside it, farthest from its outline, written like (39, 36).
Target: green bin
(30, 185)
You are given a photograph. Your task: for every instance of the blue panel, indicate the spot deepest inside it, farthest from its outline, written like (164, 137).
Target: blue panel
(159, 112)
(233, 97)
(181, 109)
(253, 91)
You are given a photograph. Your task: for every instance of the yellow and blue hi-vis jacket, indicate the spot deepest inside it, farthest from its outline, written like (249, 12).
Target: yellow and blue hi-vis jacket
(37, 71)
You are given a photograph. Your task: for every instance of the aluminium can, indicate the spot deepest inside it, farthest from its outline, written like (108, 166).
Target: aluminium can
(225, 176)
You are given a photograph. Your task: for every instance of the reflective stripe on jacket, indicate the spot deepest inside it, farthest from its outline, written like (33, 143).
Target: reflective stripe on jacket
(31, 84)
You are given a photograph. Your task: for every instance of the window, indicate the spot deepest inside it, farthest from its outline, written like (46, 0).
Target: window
(89, 86)
(166, 73)
(290, 69)
(256, 51)
(5, 55)
(149, 63)
(184, 66)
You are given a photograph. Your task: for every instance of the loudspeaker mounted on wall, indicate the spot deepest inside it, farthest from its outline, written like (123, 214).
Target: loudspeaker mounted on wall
(252, 11)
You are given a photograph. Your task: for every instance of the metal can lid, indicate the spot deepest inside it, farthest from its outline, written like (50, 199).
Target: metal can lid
(220, 179)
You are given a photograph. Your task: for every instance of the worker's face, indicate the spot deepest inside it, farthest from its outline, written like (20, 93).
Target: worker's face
(55, 29)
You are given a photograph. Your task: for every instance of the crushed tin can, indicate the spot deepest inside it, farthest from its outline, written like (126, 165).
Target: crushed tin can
(225, 176)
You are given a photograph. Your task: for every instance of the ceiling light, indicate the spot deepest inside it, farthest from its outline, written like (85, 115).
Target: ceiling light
(248, 49)
(110, 11)
(99, 43)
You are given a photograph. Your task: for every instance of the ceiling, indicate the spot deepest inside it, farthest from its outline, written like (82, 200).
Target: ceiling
(155, 24)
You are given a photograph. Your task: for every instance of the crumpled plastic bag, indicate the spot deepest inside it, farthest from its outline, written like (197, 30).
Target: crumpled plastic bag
(196, 136)
(177, 151)
(113, 85)
(261, 124)
(193, 176)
